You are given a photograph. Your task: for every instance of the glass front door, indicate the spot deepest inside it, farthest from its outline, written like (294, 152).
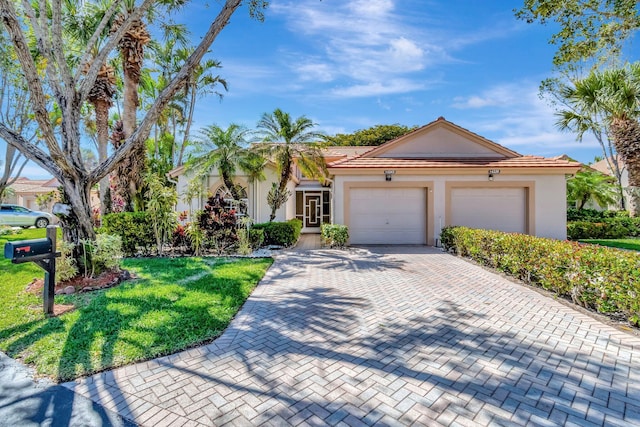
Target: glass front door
(313, 210)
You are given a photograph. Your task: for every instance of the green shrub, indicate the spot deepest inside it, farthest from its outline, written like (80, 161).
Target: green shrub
(134, 228)
(280, 233)
(609, 228)
(334, 234)
(593, 215)
(65, 265)
(604, 279)
(256, 237)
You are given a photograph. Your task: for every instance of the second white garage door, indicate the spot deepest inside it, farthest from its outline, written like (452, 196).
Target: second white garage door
(503, 209)
(395, 216)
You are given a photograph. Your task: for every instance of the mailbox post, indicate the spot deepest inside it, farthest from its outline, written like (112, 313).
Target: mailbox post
(42, 252)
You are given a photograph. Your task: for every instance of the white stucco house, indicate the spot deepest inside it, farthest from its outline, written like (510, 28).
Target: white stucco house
(405, 191)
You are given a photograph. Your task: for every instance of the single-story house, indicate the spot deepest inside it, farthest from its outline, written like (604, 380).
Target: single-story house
(26, 191)
(406, 190)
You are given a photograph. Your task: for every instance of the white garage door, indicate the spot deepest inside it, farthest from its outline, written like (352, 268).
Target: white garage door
(395, 216)
(503, 209)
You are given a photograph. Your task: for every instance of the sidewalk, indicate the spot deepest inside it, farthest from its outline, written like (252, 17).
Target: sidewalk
(26, 402)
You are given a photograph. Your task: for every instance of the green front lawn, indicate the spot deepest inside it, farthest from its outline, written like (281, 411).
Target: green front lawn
(633, 244)
(173, 304)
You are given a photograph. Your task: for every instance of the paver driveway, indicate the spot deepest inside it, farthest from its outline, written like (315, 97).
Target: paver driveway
(388, 336)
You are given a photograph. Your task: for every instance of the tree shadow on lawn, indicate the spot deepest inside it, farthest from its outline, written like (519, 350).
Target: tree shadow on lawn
(134, 321)
(463, 366)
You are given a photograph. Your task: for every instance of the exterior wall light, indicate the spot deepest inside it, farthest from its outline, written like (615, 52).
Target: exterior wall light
(490, 177)
(492, 173)
(388, 175)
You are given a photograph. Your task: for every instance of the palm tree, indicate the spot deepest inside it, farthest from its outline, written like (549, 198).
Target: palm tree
(80, 25)
(201, 82)
(610, 99)
(589, 185)
(289, 141)
(226, 150)
(131, 47)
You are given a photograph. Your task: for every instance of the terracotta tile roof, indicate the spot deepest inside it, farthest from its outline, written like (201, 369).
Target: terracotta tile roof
(439, 163)
(26, 185)
(345, 151)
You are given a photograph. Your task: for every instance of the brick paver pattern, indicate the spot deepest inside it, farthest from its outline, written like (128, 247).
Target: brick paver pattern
(388, 336)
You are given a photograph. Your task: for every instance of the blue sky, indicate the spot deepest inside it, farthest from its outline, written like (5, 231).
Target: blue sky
(352, 64)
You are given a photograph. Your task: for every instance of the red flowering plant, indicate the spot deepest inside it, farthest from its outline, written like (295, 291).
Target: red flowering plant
(219, 225)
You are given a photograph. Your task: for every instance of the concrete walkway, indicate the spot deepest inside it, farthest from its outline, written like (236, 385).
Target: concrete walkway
(388, 336)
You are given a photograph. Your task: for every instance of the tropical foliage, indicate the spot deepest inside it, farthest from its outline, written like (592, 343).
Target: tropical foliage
(588, 185)
(66, 74)
(609, 99)
(225, 150)
(587, 29)
(375, 135)
(288, 141)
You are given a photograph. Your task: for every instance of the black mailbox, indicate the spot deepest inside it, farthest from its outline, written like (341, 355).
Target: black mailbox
(27, 248)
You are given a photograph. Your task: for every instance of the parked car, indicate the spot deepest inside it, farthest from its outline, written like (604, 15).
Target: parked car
(18, 216)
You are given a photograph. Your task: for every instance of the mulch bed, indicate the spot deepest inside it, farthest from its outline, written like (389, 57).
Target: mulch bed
(79, 284)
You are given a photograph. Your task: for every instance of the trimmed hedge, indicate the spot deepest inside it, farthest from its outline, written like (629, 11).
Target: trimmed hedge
(600, 278)
(593, 215)
(280, 233)
(134, 228)
(607, 228)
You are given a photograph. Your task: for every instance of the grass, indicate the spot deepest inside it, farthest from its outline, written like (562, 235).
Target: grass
(632, 244)
(174, 304)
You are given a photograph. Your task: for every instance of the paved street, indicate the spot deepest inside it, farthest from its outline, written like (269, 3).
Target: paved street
(388, 336)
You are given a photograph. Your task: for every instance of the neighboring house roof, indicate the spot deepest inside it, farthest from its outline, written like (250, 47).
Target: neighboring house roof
(603, 166)
(336, 152)
(34, 186)
(442, 145)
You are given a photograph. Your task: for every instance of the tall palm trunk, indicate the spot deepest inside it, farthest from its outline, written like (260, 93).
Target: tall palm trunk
(625, 133)
(101, 96)
(131, 48)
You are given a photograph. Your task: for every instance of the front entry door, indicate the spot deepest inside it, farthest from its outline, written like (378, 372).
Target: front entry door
(312, 210)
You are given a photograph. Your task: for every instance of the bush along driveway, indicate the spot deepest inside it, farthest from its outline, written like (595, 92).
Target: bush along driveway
(388, 336)
(599, 278)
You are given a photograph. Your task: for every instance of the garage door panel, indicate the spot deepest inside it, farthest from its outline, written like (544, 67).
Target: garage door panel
(503, 209)
(387, 216)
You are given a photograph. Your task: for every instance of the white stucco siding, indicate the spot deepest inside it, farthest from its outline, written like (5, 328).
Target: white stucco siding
(551, 203)
(439, 142)
(257, 192)
(546, 193)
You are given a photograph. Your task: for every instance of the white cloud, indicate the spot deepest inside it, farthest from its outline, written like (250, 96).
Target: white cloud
(367, 43)
(315, 71)
(372, 7)
(378, 88)
(519, 119)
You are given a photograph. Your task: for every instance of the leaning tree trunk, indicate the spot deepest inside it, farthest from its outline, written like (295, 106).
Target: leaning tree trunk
(77, 225)
(233, 189)
(282, 186)
(625, 134)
